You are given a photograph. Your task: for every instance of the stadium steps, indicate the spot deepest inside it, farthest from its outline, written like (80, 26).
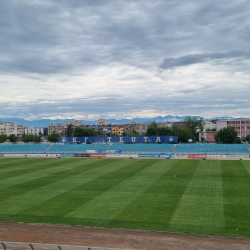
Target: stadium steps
(174, 149)
(109, 146)
(51, 145)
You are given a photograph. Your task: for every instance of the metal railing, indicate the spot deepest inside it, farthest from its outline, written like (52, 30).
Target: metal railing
(40, 246)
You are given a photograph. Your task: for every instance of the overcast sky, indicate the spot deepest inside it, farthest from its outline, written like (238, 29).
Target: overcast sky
(87, 59)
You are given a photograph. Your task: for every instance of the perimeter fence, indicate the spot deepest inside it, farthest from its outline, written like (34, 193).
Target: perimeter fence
(39, 246)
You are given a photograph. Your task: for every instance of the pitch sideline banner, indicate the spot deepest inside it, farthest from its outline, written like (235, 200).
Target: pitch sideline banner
(156, 155)
(32, 155)
(97, 155)
(122, 155)
(82, 155)
(197, 156)
(68, 155)
(181, 156)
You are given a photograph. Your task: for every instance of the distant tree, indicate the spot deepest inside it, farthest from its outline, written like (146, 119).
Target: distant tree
(115, 134)
(184, 134)
(81, 131)
(12, 138)
(195, 125)
(132, 127)
(247, 138)
(227, 135)
(152, 129)
(40, 134)
(164, 131)
(31, 138)
(53, 137)
(99, 133)
(3, 138)
(130, 133)
(70, 130)
(211, 129)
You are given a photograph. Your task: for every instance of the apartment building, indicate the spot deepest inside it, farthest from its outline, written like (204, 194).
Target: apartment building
(164, 124)
(180, 124)
(242, 126)
(33, 131)
(9, 128)
(102, 122)
(74, 124)
(136, 127)
(56, 128)
(209, 126)
(118, 129)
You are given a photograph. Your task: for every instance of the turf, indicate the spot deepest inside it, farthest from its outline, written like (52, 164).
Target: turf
(191, 196)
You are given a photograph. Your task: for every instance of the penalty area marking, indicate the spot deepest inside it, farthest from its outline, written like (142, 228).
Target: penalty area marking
(181, 173)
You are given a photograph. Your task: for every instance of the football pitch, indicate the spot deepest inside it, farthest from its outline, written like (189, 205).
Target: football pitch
(191, 196)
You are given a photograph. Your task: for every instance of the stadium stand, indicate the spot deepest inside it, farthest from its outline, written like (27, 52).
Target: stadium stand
(194, 148)
(23, 148)
(77, 148)
(143, 148)
(212, 148)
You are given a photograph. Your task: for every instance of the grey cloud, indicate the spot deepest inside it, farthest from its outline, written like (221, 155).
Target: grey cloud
(169, 63)
(73, 37)
(48, 37)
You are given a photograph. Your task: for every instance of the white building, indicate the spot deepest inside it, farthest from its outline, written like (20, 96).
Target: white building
(209, 125)
(102, 122)
(33, 131)
(242, 126)
(9, 128)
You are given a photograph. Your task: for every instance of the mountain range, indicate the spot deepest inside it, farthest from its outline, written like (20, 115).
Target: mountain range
(46, 122)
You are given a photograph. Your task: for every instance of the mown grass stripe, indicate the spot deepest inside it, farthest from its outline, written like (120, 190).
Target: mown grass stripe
(236, 186)
(246, 165)
(39, 195)
(200, 209)
(153, 209)
(6, 161)
(29, 167)
(81, 194)
(112, 202)
(37, 174)
(21, 163)
(62, 173)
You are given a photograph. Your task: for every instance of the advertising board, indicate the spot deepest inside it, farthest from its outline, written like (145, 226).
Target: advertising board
(93, 151)
(1, 155)
(32, 155)
(197, 156)
(97, 155)
(181, 156)
(156, 155)
(242, 156)
(216, 156)
(113, 151)
(122, 155)
(82, 155)
(68, 155)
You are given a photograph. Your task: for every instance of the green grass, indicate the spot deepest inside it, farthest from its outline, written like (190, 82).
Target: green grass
(191, 196)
